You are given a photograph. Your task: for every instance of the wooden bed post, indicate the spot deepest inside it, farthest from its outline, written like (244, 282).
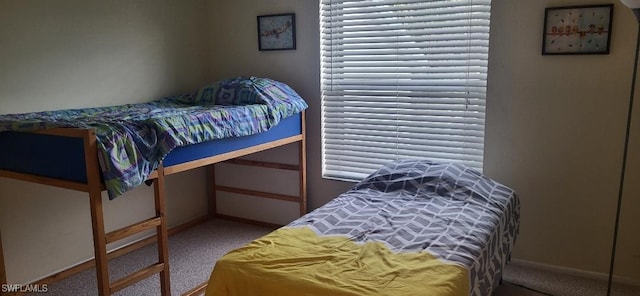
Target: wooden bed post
(211, 180)
(97, 219)
(162, 232)
(99, 242)
(302, 165)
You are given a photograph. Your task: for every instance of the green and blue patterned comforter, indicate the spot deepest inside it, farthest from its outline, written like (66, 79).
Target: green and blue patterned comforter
(133, 139)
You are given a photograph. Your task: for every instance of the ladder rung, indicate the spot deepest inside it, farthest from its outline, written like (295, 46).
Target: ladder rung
(197, 290)
(136, 277)
(121, 233)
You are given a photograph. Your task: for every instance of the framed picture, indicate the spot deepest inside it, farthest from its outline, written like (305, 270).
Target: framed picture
(577, 29)
(277, 31)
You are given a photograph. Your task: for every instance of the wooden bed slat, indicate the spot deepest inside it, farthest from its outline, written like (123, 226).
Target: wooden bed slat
(136, 277)
(273, 226)
(258, 193)
(263, 164)
(130, 230)
(229, 155)
(47, 181)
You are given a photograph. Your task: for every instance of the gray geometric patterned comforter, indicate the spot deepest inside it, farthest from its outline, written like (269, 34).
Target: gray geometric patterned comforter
(449, 210)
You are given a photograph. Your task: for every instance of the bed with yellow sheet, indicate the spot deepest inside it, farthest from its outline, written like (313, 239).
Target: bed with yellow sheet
(410, 228)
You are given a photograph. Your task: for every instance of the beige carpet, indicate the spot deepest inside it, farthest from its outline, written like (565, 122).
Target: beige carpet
(509, 289)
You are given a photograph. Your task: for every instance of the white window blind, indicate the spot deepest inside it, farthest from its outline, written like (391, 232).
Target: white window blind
(402, 79)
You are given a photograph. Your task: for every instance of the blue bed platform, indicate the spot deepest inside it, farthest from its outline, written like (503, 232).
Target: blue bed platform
(44, 155)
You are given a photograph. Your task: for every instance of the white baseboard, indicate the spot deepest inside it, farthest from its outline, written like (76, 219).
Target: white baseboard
(575, 272)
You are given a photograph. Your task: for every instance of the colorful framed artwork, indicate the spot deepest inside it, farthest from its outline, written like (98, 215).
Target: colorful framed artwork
(577, 30)
(277, 31)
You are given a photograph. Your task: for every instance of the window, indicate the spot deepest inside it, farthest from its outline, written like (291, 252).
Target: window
(402, 79)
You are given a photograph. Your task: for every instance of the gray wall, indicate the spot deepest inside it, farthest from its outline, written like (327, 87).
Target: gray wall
(555, 133)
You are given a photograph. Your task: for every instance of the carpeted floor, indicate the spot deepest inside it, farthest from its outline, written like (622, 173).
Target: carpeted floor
(194, 252)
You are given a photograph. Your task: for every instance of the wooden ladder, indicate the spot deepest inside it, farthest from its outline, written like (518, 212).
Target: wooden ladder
(101, 239)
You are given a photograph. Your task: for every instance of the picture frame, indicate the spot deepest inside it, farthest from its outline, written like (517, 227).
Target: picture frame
(277, 32)
(574, 30)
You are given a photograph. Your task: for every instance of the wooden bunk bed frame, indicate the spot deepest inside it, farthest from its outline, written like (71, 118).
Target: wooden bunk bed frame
(94, 187)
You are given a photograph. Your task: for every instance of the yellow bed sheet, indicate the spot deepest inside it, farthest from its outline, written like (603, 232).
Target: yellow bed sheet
(296, 261)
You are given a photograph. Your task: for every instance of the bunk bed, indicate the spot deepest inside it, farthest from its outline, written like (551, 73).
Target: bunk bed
(116, 149)
(414, 227)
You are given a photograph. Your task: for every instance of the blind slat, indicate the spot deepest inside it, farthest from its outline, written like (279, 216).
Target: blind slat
(429, 97)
